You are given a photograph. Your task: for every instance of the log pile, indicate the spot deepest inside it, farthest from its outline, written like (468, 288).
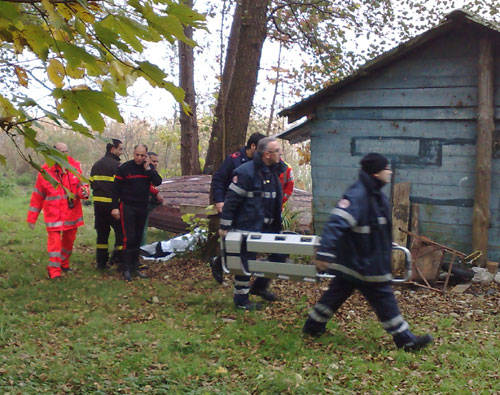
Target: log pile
(190, 194)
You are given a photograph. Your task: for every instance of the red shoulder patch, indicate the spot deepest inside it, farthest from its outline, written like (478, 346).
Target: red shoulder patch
(235, 154)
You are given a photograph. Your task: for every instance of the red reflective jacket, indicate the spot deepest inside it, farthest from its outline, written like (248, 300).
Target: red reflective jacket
(54, 201)
(286, 179)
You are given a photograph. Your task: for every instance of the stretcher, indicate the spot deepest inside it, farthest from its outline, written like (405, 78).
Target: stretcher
(237, 244)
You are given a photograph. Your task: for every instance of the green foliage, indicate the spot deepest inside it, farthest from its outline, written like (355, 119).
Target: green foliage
(89, 51)
(193, 222)
(290, 219)
(6, 186)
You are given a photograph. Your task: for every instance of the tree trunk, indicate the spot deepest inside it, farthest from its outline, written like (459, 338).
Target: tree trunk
(485, 127)
(215, 152)
(190, 160)
(240, 74)
(242, 89)
(275, 93)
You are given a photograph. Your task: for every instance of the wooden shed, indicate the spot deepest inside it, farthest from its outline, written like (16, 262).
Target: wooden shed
(432, 105)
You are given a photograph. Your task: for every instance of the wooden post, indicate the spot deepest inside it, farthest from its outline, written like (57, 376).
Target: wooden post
(400, 218)
(485, 127)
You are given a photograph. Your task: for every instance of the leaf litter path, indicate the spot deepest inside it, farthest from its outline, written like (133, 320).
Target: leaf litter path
(418, 305)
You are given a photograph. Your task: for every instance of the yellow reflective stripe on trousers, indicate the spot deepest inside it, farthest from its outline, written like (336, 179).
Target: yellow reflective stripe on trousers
(103, 178)
(102, 199)
(101, 246)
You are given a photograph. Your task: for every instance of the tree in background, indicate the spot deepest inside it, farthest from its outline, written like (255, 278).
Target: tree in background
(89, 51)
(190, 160)
(331, 37)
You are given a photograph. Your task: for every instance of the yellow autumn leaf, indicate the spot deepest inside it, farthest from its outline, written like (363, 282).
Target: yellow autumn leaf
(61, 35)
(55, 72)
(83, 13)
(7, 110)
(22, 76)
(54, 17)
(82, 87)
(18, 42)
(65, 11)
(75, 72)
(221, 370)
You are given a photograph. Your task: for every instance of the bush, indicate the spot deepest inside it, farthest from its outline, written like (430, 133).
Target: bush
(6, 185)
(25, 179)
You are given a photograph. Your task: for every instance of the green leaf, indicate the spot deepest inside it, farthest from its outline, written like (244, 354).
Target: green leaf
(79, 128)
(107, 36)
(9, 11)
(152, 72)
(76, 56)
(91, 116)
(127, 31)
(177, 92)
(102, 102)
(3, 160)
(70, 109)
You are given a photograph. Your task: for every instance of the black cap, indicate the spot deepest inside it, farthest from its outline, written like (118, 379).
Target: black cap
(373, 163)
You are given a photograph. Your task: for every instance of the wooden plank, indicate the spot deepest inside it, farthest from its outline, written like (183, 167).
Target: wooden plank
(396, 114)
(404, 97)
(485, 127)
(400, 219)
(329, 131)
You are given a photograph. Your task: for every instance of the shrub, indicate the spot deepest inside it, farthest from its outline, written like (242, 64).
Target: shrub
(6, 185)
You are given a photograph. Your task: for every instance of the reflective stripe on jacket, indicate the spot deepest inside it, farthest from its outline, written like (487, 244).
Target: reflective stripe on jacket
(53, 200)
(253, 198)
(357, 239)
(102, 177)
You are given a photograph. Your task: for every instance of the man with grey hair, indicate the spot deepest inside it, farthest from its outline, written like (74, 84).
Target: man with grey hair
(130, 204)
(253, 203)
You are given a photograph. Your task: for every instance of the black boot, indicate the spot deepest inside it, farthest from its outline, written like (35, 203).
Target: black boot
(314, 328)
(127, 276)
(409, 342)
(264, 294)
(136, 264)
(128, 264)
(418, 343)
(216, 267)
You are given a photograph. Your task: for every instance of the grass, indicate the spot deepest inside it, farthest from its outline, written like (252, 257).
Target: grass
(178, 332)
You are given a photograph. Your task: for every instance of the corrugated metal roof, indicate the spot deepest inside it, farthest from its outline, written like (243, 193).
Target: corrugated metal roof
(452, 20)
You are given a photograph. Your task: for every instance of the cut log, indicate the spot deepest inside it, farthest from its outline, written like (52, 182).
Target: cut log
(190, 194)
(400, 219)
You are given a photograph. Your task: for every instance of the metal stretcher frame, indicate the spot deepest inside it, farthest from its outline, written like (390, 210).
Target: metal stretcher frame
(237, 243)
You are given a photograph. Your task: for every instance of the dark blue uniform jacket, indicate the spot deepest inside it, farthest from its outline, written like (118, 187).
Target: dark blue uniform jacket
(222, 177)
(357, 240)
(253, 199)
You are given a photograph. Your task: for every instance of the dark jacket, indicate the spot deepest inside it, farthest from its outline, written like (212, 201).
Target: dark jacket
(253, 199)
(357, 240)
(102, 177)
(222, 177)
(132, 184)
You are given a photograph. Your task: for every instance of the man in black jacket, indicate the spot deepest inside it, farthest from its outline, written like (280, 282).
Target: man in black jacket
(130, 204)
(356, 245)
(102, 177)
(253, 202)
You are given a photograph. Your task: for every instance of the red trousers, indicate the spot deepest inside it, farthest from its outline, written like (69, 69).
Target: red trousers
(59, 247)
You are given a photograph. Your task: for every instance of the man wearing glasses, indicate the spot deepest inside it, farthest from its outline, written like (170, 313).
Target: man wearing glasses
(253, 203)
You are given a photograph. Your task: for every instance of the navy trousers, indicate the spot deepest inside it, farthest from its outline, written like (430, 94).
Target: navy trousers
(381, 299)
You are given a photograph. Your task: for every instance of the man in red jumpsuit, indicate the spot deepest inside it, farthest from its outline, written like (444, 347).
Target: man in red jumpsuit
(62, 210)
